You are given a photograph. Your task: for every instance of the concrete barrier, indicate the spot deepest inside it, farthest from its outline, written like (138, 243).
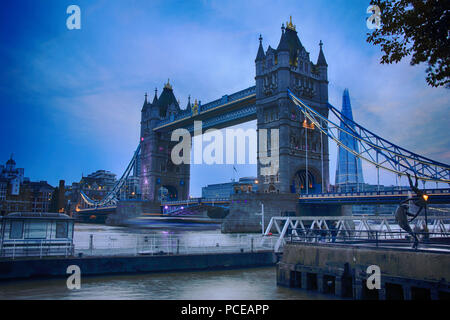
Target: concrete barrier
(341, 270)
(56, 267)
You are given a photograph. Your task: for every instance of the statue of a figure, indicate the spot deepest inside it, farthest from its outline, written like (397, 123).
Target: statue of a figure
(402, 213)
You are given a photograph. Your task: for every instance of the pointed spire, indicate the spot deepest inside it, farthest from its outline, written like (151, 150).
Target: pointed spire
(290, 25)
(155, 98)
(145, 103)
(188, 107)
(283, 45)
(260, 56)
(11, 161)
(168, 85)
(321, 59)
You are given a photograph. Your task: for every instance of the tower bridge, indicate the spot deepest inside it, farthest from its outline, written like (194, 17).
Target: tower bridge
(287, 66)
(290, 95)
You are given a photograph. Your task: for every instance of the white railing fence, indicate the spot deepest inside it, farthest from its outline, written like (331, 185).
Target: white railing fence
(356, 227)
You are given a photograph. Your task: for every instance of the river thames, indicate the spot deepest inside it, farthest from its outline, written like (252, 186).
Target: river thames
(242, 284)
(239, 284)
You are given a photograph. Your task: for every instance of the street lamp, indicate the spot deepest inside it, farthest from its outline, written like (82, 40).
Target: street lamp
(425, 197)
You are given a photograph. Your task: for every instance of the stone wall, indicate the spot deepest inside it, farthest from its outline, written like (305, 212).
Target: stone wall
(342, 270)
(401, 263)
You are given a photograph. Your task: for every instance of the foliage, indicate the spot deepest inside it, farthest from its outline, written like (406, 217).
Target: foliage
(419, 28)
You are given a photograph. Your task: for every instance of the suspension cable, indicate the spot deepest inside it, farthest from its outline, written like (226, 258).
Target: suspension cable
(111, 197)
(428, 171)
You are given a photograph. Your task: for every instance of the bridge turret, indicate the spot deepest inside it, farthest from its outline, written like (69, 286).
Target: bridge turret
(145, 113)
(259, 65)
(158, 172)
(290, 67)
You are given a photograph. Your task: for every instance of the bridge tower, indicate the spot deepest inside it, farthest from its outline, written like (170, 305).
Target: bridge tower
(303, 151)
(159, 176)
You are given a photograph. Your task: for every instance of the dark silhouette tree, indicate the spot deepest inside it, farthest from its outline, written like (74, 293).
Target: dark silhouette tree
(419, 28)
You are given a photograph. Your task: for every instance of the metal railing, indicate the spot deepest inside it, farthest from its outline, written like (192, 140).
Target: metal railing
(374, 237)
(371, 193)
(348, 225)
(35, 248)
(157, 244)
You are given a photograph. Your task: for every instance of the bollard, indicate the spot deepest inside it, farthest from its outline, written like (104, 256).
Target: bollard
(137, 245)
(376, 235)
(91, 243)
(178, 246)
(252, 246)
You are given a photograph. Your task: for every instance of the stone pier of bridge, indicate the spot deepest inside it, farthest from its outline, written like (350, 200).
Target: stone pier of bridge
(246, 209)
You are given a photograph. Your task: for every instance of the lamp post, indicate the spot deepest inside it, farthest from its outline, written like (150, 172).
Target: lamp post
(425, 197)
(262, 217)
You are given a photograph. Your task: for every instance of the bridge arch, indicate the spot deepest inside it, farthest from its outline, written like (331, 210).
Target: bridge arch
(168, 193)
(302, 177)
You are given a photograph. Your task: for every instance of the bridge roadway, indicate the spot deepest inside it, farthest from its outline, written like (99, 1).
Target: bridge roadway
(227, 111)
(436, 196)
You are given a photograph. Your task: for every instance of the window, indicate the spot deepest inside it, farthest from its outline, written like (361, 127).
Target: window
(37, 230)
(61, 230)
(16, 231)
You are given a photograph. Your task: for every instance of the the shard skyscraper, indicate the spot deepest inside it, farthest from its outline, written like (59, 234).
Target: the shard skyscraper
(349, 175)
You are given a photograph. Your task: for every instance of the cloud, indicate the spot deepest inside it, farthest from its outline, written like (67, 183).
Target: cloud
(93, 81)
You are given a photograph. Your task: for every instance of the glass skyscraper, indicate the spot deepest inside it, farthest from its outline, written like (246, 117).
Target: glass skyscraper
(349, 175)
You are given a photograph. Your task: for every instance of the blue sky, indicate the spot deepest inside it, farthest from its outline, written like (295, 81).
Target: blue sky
(71, 99)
